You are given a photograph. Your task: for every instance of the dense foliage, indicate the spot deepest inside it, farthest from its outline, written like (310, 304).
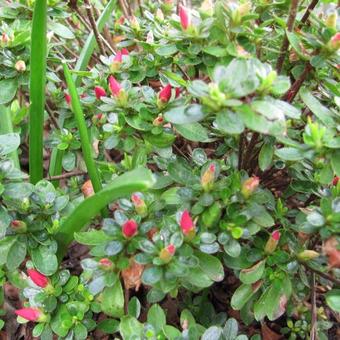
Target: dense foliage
(170, 170)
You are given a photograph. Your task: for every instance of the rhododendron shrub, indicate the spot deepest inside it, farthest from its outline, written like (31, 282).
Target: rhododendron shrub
(186, 182)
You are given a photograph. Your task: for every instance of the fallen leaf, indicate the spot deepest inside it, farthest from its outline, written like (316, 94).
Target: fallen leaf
(268, 334)
(132, 275)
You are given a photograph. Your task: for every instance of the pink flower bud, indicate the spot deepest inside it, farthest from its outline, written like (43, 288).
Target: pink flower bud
(334, 43)
(119, 55)
(121, 20)
(19, 226)
(249, 186)
(139, 204)
(99, 91)
(31, 314)
(272, 242)
(335, 180)
(129, 228)
(184, 17)
(68, 98)
(186, 223)
(115, 87)
(167, 253)
(39, 279)
(207, 179)
(105, 264)
(165, 94)
(4, 38)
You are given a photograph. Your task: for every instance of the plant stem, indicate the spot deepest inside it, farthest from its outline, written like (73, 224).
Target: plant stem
(84, 137)
(285, 42)
(294, 89)
(67, 175)
(313, 328)
(56, 165)
(324, 275)
(307, 13)
(37, 90)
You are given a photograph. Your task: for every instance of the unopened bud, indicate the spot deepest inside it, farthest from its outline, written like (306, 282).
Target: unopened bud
(331, 20)
(307, 255)
(19, 226)
(167, 253)
(272, 242)
(159, 120)
(87, 189)
(31, 314)
(20, 66)
(105, 264)
(187, 225)
(129, 228)
(249, 186)
(334, 43)
(139, 205)
(208, 178)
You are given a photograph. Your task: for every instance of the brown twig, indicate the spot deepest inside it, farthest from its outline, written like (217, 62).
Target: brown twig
(240, 150)
(285, 42)
(123, 8)
(88, 8)
(250, 148)
(67, 175)
(324, 275)
(294, 89)
(314, 313)
(307, 13)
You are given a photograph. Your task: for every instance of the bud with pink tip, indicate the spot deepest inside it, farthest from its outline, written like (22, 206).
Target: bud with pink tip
(99, 92)
(139, 205)
(114, 85)
(31, 314)
(167, 253)
(249, 186)
(5, 38)
(272, 242)
(39, 279)
(334, 43)
(129, 228)
(20, 66)
(187, 225)
(184, 17)
(158, 121)
(208, 178)
(105, 264)
(165, 94)
(19, 226)
(67, 98)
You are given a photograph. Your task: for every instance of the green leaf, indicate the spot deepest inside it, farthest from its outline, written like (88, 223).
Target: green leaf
(335, 161)
(216, 51)
(137, 180)
(212, 333)
(134, 307)
(45, 261)
(253, 274)
(130, 328)
(185, 114)
(289, 154)
(229, 122)
(194, 132)
(241, 296)
(162, 140)
(296, 44)
(171, 332)
(37, 90)
(198, 278)
(176, 78)
(61, 30)
(152, 275)
(166, 50)
(211, 266)
(91, 237)
(9, 142)
(266, 156)
(16, 254)
(181, 172)
(230, 329)
(5, 220)
(113, 300)
(156, 317)
(108, 326)
(8, 89)
(333, 299)
(320, 111)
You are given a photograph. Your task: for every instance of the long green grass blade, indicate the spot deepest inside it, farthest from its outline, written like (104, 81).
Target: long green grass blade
(56, 164)
(84, 137)
(137, 180)
(6, 126)
(91, 43)
(37, 90)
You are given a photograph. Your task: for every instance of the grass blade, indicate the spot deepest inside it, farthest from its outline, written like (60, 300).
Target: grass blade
(37, 90)
(137, 180)
(56, 164)
(84, 137)
(91, 43)
(6, 126)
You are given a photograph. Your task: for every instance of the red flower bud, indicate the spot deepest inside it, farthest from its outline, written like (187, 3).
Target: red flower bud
(31, 314)
(19, 226)
(129, 228)
(119, 55)
(105, 264)
(334, 43)
(165, 94)
(121, 20)
(39, 279)
(249, 186)
(178, 91)
(167, 253)
(272, 242)
(186, 223)
(335, 180)
(159, 120)
(184, 17)
(68, 98)
(115, 87)
(207, 179)
(99, 91)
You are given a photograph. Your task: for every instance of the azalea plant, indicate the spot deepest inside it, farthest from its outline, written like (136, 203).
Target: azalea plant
(170, 169)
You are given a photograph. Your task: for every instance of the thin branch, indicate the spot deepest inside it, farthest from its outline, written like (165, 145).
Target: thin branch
(240, 150)
(324, 275)
(313, 333)
(123, 8)
(294, 89)
(250, 148)
(285, 43)
(307, 13)
(88, 8)
(67, 175)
